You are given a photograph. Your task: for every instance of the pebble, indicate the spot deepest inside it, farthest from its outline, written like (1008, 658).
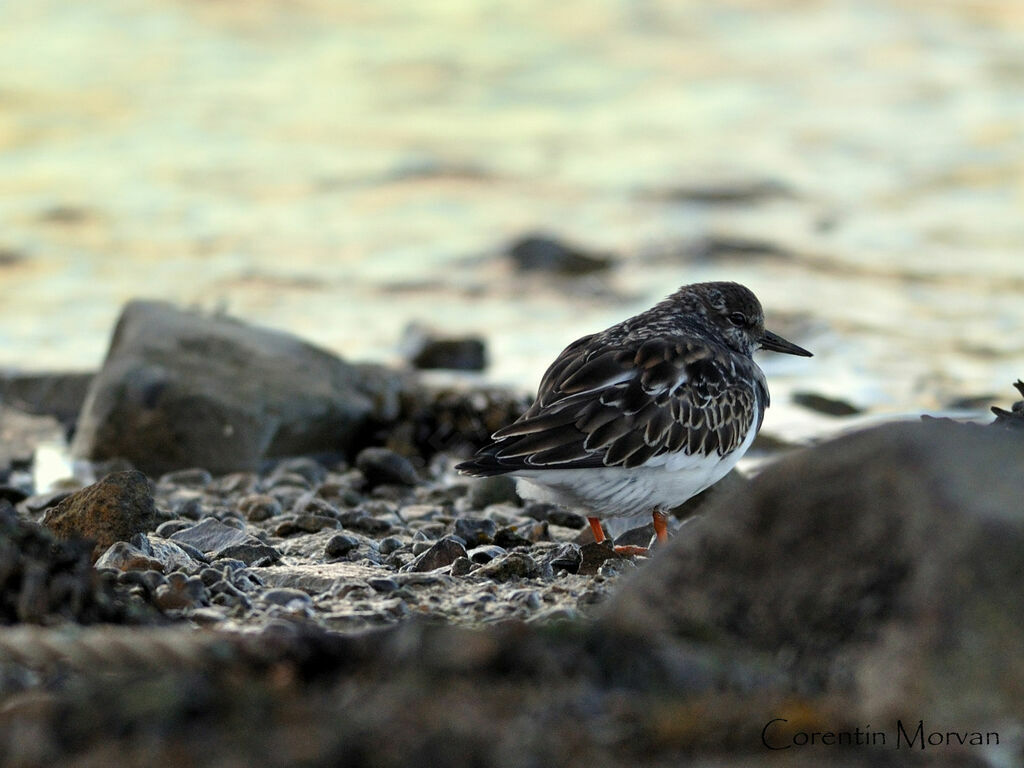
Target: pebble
(383, 584)
(514, 565)
(475, 530)
(486, 553)
(259, 507)
(390, 544)
(339, 545)
(382, 466)
(357, 520)
(285, 595)
(438, 555)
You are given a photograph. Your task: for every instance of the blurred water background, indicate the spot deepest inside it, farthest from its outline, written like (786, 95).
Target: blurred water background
(341, 169)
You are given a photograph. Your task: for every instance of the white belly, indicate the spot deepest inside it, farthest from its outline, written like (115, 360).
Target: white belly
(664, 481)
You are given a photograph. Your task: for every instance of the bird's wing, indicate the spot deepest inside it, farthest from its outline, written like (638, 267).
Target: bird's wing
(622, 405)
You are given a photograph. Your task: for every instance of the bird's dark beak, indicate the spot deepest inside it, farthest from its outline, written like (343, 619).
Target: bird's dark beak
(776, 343)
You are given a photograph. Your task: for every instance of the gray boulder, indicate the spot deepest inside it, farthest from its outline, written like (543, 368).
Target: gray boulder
(184, 389)
(884, 566)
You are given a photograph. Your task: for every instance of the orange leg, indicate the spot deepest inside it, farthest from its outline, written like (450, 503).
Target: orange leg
(595, 526)
(660, 526)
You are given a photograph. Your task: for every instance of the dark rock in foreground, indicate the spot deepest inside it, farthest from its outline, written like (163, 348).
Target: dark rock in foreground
(884, 565)
(181, 389)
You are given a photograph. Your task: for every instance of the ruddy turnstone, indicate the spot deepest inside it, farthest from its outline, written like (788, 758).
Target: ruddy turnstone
(646, 414)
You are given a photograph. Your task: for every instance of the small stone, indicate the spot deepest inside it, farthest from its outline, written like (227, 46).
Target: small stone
(486, 553)
(285, 595)
(554, 514)
(315, 523)
(382, 466)
(251, 554)
(440, 554)
(509, 538)
(566, 557)
(340, 545)
(383, 584)
(593, 555)
(484, 491)
(259, 507)
(171, 527)
(356, 520)
(426, 349)
(461, 566)
(210, 535)
(308, 504)
(125, 557)
(180, 591)
(475, 530)
(514, 565)
(390, 544)
(636, 537)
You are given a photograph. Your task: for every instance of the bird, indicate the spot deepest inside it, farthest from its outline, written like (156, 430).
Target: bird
(641, 416)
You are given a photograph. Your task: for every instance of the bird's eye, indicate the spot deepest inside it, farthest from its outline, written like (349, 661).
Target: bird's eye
(738, 319)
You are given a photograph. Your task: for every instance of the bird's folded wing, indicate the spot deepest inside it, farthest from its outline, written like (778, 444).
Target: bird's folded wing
(625, 405)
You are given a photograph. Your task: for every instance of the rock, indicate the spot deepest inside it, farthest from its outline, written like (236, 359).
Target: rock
(485, 491)
(425, 349)
(592, 555)
(514, 565)
(251, 553)
(383, 584)
(640, 536)
(539, 253)
(210, 536)
(340, 545)
(565, 557)
(382, 466)
(475, 530)
(259, 507)
(826, 405)
(113, 509)
(285, 595)
(125, 557)
(884, 564)
(485, 553)
(181, 389)
(305, 524)
(179, 592)
(554, 514)
(358, 520)
(440, 554)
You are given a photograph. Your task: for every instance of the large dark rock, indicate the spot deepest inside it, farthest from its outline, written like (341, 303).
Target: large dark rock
(114, 509)
(182, 389)
(885, 565)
